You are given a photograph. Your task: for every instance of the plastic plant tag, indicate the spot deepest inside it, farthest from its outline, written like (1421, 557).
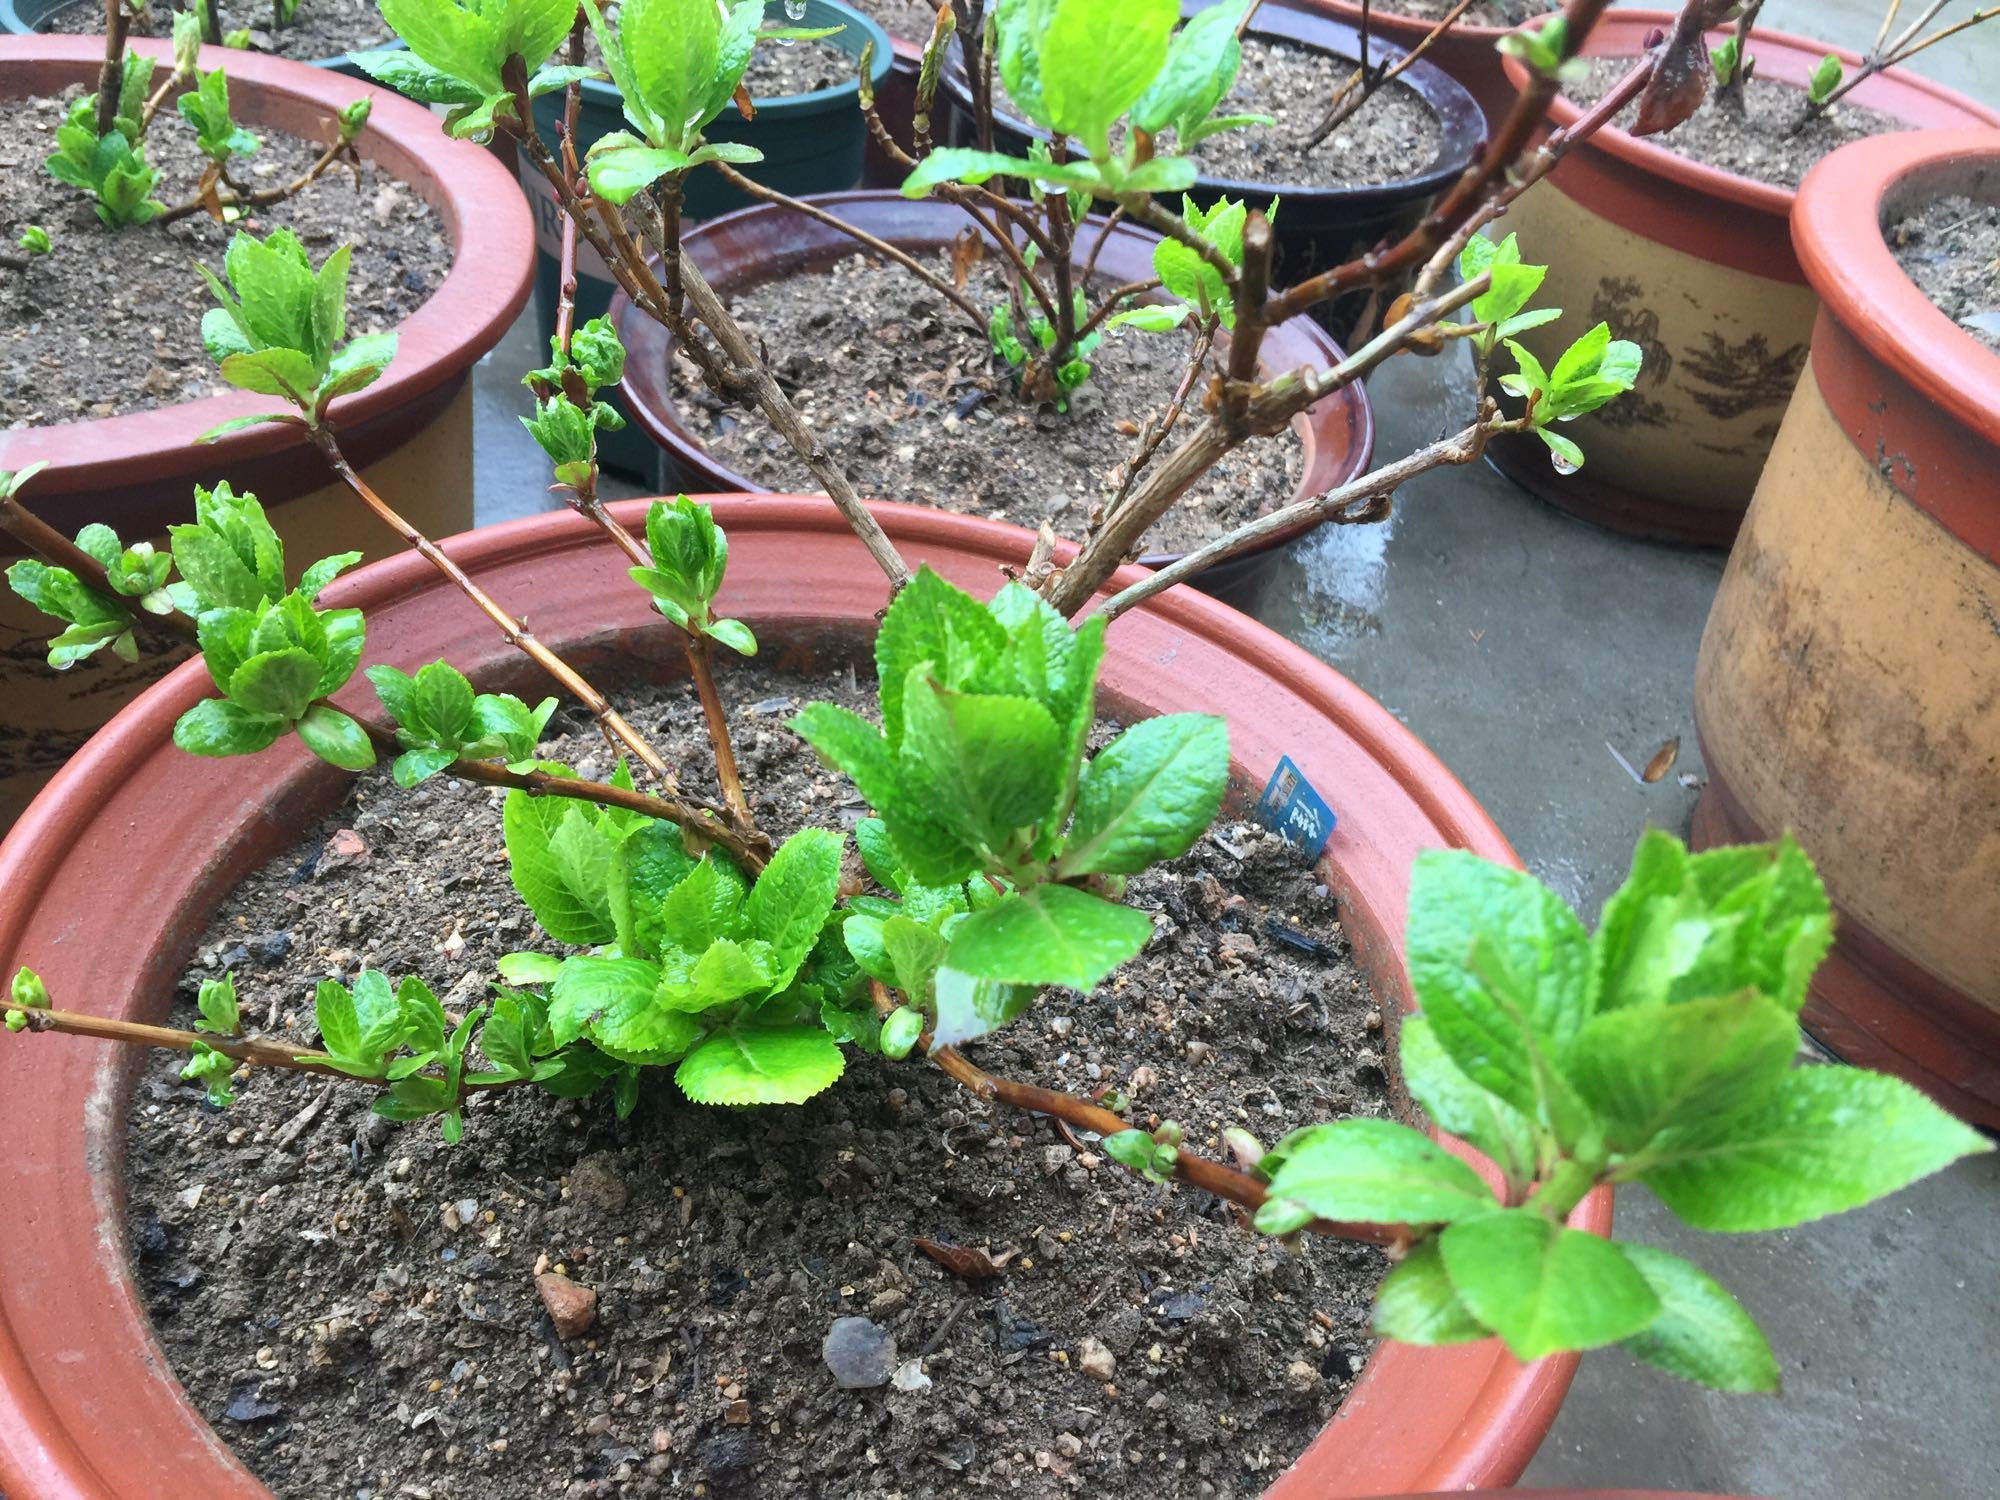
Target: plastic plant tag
(1293, 810)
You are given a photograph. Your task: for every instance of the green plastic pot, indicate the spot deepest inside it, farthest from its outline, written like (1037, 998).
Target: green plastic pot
(27, 17)
(812, 143)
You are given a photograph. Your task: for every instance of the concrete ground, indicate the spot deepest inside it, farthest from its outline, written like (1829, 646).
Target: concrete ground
(1520, 644)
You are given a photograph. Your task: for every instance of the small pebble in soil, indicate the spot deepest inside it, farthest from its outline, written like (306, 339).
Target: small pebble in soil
(860, 1355)
(572, 1308)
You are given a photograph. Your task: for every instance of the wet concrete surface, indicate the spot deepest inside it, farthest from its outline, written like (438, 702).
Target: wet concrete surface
(1525, 647)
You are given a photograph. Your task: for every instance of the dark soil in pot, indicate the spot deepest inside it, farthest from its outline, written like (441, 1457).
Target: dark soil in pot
(1951, 249)
(110, 321)
(1395, 136)
(1507, 13)
(352, 1324)
(319, 28)
(911, 20)
(1760, 141)
(916, 406)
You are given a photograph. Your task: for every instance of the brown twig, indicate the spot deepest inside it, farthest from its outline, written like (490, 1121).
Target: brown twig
(111, 73)
(881, 247)
(700, 819)
(1370, 80)
(1156, 433)
(257, 1051)
(1356, 502)
(700, 655)
(1209, 1176)
(1906, 46)
(340, 150)
(513, 631)
(1733, 89)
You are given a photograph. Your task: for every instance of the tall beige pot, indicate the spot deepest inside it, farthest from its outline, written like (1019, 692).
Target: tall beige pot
(1848, 686)
(1696, 266)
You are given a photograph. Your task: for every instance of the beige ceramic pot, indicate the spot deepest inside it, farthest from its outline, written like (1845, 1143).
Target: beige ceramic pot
(1848, 686)
(410, 433)
(1696, 266)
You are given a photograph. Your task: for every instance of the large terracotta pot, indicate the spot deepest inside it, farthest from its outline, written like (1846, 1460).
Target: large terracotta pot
(1317, 227)
(1468, 53)
(758, 245)
(29, 17)
(410, 433)
(88, 1410)
(1696, 266)
(1848, 686)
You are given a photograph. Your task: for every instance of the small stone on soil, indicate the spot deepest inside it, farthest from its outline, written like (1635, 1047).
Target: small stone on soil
(572, 1308)
(860, 1355)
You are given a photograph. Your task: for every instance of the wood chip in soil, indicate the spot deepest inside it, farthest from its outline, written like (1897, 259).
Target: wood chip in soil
(915, 406)
(1762, 140)
(364, 1296)
(110, 321)
(1394, 136)
(1951, 249)
(319, 28)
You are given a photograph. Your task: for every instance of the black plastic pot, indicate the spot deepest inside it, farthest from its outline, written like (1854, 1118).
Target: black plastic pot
(812, 143)
(27, 17)
(1318, 227)
(765, 243)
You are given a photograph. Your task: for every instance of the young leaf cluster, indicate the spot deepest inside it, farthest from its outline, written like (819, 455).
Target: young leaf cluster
(1072, 372)
(978, 773)
(439, 719)
(1080, 68)
(206, 108)
(692, 964)
(272, 653)
(281, 328)
(1658, 1051)
(1546, 50)
(690, 555)
(459, 49)
(676, 64)
(112, 167)
(1501, 309)
(1189, 275)
(1590, 372)
(568, 416)
(1826, 77)
(92, 619)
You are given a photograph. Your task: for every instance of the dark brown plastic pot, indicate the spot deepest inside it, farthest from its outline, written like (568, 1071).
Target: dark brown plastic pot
(1696, 266)
(758, 245)
(411, 431)
(1846, 687)
(88, 1407)
(1317, 227)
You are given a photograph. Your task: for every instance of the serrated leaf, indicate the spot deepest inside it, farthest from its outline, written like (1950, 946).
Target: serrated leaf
(1702, 1333)
(750, 1064)
(1049, 934)
(1377, 1170)
(1462, 1107)
(1418, 1305)
(217, 726)
(336, 738)
(1543, 1288)
(585, 988)
(569, 912)
(790, 901)
(1148, 795)
(984, 764)
(1823, 1141)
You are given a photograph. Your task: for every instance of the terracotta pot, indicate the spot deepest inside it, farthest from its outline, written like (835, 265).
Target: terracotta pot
(411, 432)
(757, 245)
(28, 17)
(88, 1410)
(1846, 683)
(1696, 266)
(1568, 1495)
(1317, 227)
(1468, 53)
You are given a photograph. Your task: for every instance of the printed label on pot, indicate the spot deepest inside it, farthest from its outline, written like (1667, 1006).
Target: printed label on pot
(547, 209)
(1295, 812)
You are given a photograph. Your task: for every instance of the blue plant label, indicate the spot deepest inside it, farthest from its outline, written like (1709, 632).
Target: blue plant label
(1293, 810)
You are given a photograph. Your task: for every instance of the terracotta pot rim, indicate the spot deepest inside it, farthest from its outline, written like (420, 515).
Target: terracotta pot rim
(1502, 1408)
(1461, 123)
(654, 409)
(1837, 230)
(485, 217)
(1623, 33)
